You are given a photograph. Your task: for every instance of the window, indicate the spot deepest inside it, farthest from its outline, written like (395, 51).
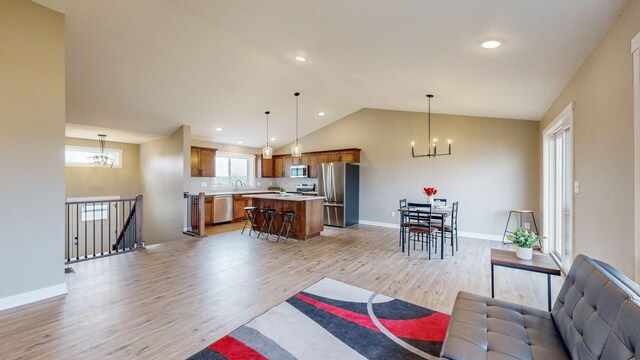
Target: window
(79, 156)
(559, 187)
(96, 211)
(233, 167)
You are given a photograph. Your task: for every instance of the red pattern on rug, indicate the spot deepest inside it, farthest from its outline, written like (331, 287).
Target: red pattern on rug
(233, 349)
(430, 328)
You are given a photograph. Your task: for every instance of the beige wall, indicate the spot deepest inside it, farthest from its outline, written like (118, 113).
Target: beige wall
(95, 181)
(165, 170)
(226, 147)
(32, 115)
(602, 90)
(493, 167)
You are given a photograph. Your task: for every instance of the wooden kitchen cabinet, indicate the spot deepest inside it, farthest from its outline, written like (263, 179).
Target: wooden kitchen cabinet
(208, 210)
(350, 156)
(287, 162)
(239, 203)
(266, 170)
(323, 158)
(278, 166)
(203, 162)
(313, 165)
(334, 157)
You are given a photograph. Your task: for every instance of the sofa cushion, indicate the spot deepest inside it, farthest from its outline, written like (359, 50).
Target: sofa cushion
(486, 328)
(597, 312)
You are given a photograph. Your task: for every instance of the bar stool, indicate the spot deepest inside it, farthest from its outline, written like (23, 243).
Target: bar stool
(287, 221)
(251, 219)
(267, 219)
(521, 213)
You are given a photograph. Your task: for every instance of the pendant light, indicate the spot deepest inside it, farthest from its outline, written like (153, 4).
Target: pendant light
(296, 148)
(435, 149)
(267, 151)
(102, 159)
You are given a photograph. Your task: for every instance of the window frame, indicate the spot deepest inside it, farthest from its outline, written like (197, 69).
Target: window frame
(251, 174)
(117, 152)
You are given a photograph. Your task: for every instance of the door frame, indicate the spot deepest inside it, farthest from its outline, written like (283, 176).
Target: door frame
(564, 118)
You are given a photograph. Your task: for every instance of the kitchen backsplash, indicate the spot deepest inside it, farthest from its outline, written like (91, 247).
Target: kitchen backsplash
(201, 184)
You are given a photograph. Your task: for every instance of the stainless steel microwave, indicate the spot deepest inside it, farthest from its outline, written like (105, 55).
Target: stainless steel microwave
(299, 171)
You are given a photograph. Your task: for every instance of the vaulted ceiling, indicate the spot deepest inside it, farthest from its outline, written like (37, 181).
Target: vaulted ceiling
(149, 66)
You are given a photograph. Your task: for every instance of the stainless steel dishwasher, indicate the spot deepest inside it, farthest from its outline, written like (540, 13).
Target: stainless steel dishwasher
(222, 208)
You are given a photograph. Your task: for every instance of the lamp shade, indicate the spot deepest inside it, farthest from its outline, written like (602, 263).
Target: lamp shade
(296, 150)
(267, 152)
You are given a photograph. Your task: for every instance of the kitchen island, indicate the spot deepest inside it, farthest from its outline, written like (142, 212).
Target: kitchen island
(308, 221)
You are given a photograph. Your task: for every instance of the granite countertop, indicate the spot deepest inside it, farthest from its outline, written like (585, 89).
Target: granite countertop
(287, 197)
(239, 192)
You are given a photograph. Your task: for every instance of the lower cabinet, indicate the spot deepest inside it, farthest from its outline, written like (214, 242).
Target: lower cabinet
(239, 203)
(208, 210)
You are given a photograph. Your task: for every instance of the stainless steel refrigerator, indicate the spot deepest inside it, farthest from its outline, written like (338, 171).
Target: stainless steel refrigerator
(339, 183)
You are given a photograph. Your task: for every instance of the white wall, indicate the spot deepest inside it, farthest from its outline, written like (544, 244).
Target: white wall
(32, 116)
(165, 169)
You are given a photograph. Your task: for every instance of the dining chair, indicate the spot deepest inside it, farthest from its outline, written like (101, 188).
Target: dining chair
(419, 224)
(451, 230)
(440, 202)
(403, 204)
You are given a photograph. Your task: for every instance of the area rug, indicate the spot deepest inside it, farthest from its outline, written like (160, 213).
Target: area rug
(334, 320)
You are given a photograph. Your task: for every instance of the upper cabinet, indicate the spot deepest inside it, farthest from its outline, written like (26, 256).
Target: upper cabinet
(351, 155)
(203, 162)
(266, 168)
(279, 165)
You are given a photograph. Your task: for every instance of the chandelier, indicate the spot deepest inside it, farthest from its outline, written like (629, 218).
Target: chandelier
(435, 141)
(102, 159)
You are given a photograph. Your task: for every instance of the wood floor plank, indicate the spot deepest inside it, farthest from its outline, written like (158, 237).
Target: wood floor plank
(173, 299)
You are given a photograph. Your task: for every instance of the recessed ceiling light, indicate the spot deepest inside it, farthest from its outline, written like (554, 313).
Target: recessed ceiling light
(240, 142)
(301, 58)
(321, 113)
(491, 44)
(218, 129)
(273, 139)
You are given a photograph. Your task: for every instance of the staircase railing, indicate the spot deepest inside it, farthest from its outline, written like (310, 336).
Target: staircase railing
(102, 227)
(194, 210)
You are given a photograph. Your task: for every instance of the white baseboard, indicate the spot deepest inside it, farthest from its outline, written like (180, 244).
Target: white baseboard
(467, 234)
(380, 224)
(32, 296)
(480, 236)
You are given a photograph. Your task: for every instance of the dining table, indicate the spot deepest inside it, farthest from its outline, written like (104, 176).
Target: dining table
(438, 213)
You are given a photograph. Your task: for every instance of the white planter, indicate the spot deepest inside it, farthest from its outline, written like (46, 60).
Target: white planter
(524, 253)
(430, 199)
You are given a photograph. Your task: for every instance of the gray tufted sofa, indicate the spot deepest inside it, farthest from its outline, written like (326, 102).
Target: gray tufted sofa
(596, 316)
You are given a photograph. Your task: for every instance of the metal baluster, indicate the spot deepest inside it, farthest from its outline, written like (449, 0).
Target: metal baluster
(68, 236)
(84, 209)
(77, 233)
(116, 232)
(123, 229)
(94, 229)
(109, 225)
(102, 228)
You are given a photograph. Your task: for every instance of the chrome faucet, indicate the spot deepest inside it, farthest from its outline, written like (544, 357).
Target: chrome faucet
(241, 184)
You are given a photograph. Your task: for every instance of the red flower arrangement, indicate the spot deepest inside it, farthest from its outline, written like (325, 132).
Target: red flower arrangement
(430, 191)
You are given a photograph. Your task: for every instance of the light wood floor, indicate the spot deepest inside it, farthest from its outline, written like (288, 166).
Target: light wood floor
(171, 300)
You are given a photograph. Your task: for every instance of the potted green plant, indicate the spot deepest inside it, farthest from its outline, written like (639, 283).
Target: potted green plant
(524, 240)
